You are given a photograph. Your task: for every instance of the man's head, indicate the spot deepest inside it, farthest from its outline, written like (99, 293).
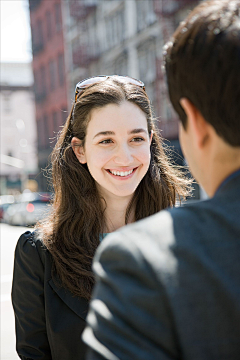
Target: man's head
(202, 64)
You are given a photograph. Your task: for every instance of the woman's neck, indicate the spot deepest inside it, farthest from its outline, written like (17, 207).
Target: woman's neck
(115, 213)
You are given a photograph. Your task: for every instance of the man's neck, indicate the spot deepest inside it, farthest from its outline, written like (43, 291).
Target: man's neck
(220, 166)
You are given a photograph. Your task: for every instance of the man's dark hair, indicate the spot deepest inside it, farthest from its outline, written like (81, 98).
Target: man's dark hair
(202, 63)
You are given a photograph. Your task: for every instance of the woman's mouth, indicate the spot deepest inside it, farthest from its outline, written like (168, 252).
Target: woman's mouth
(122, 174)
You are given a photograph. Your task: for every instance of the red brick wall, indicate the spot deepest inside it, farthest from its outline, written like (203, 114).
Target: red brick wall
(48, 68)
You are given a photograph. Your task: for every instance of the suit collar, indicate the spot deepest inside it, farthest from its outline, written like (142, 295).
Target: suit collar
(232, 180)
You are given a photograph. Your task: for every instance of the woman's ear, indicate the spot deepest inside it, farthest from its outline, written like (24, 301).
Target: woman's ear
(78, 150)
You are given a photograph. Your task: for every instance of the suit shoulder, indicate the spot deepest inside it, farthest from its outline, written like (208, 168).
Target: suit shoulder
(153, 234)
(142, 249)
(159, 224)
(141, 239)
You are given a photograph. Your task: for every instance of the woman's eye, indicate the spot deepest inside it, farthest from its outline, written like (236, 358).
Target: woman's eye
(138, 139)
(106, 141)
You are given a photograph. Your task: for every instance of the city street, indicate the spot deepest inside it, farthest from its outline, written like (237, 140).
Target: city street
(9, 237)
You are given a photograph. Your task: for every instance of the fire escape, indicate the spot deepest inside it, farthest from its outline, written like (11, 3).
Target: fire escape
(167, 12)
(82, 54)
(170, 7)
(81, 9)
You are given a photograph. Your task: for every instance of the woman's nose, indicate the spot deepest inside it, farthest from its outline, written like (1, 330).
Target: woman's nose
(123, 155)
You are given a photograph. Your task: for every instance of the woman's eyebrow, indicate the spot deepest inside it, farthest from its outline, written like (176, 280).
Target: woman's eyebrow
(104, 133)
(134, 131)
(137, 131)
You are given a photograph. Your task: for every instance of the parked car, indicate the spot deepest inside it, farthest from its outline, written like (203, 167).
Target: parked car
(28, 209)
(5, 202)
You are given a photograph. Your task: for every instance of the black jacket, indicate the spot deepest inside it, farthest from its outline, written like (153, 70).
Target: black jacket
(49, 319)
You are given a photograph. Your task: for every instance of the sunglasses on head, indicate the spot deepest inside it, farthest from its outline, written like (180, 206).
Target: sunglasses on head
(82, 85)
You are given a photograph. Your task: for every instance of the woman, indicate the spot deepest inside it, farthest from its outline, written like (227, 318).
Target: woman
(108, 169)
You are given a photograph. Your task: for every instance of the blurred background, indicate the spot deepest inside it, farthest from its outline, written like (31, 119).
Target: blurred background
(47, 46)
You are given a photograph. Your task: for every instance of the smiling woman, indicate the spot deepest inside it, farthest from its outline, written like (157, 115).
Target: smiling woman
(108, 169)
(117, 153)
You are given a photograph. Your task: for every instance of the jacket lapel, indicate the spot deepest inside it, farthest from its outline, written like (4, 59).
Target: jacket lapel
(76, 304)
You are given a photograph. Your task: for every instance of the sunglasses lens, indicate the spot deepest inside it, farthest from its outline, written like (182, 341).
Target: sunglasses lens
(124, 79)
(130, 80)
(83, 84)
(136, 82)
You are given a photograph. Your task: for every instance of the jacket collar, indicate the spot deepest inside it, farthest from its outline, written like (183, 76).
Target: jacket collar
(77, 304)
(230, 182)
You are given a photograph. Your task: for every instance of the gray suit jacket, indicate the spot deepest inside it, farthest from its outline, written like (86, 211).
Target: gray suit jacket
(169, 286)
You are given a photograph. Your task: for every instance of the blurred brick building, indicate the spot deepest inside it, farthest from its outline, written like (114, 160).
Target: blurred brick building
(125, 37)
(76, 39)
(49, 76)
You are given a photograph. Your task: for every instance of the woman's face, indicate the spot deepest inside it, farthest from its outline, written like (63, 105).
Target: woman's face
(117, 148)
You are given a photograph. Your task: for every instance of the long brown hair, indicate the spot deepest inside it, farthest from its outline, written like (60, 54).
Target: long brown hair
(71, 232)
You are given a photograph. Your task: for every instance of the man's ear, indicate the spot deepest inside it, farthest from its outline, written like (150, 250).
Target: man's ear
(196, 123)
(78, 150)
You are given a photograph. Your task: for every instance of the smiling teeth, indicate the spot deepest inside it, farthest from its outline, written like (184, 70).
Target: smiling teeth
(121, 173)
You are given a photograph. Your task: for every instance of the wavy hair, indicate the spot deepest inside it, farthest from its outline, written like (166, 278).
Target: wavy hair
(71, 231)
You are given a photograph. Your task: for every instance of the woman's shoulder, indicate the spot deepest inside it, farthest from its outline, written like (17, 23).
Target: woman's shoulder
(31, 246)
(31, 238)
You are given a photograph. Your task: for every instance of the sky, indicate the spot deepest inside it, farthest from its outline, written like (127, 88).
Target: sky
(15, 40)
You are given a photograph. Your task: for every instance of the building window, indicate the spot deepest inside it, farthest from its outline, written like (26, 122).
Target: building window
(93, 41)
(40, 134)
(37, 37)
(58, 16)
(151, 91)
(147, 62)
(145, 14)
(46, 134)
(43, 81)
(52, 76)
(115, 30)
(49, 25)
(121, 65)
(37, 84)
(43, 133)
(61, 69)
(55, 122)
(39, 32)
(40, 87)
